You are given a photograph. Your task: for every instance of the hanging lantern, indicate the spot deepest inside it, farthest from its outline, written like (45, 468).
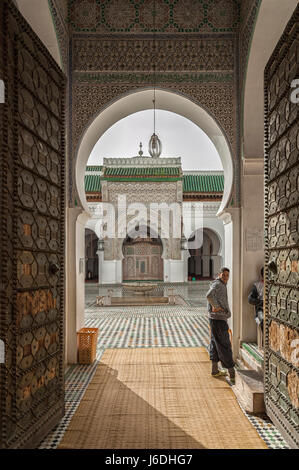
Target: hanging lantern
(155, 146)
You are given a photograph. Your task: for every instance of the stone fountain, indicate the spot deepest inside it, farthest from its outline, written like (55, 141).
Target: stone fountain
(140, 288)
(138, 295)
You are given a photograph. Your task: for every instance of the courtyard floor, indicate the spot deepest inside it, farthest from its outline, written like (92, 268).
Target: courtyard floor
(181, 326)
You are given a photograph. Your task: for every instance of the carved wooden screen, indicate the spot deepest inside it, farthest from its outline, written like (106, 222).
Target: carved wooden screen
(282, 235)
(32, 235)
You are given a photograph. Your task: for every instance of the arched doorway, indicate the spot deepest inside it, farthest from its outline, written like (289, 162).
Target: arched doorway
(124, 106)
(91, 257)
(142, 258)
(205, 261)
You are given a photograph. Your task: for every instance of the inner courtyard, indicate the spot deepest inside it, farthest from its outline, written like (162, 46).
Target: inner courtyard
(182, 326)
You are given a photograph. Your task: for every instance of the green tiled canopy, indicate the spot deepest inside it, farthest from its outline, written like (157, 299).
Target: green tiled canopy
(92, 183)
(111, 172)
(203, 183)
(94, 168)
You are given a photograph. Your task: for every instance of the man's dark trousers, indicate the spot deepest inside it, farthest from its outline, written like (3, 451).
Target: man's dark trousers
(220, 346)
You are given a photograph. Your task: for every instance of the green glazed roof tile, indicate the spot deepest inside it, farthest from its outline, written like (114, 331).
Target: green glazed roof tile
(191, 183)
(94, 168)
(92, 183)
(149, 171)
(203, 183)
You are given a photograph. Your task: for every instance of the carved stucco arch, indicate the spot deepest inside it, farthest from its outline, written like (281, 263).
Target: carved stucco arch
(168, 100)
(216, 240)
(214, 237)
(143, 223)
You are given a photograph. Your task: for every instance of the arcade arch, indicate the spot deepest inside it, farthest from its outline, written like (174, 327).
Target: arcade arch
(119, 109)
(205, 261)
(165, 100)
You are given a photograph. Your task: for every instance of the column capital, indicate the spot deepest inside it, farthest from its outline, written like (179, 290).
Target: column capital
(230, 215)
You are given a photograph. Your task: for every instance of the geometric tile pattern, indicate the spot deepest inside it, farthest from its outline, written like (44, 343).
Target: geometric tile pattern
(281, 234)
(267, 431)
(77, 379)
(145, 327)
(32, 235)
(105, 55)
(186, 16)
(255, 352)
(137, 328)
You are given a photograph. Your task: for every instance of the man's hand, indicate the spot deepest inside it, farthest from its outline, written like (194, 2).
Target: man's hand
(217, 309)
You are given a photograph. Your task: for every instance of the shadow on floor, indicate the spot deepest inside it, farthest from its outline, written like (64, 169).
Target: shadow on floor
(112, 416)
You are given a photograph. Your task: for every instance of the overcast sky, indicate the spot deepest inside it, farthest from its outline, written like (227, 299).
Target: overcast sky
(179, 136)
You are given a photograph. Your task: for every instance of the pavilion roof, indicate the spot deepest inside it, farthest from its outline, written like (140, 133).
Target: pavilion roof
(192, 183)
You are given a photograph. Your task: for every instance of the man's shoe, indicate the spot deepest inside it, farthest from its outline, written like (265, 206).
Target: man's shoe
(231, 380)
(220, 373)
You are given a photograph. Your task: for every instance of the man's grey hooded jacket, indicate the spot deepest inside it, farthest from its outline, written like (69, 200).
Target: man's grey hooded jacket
(218, 295)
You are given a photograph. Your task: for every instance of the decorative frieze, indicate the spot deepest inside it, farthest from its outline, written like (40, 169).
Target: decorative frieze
(281, 237)
(59, 11)
(149, 78)
(143, 192)
(110, 53)
(135, 16)
(141, 162)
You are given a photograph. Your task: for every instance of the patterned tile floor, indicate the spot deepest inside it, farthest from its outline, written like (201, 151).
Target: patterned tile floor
(136, 327)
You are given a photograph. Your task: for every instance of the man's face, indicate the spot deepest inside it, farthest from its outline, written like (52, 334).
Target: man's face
(224, 276)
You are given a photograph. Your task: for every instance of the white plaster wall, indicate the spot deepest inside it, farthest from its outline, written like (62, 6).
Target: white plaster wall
(232, 260)
(252, 219)
(80, 271)
(75, 281)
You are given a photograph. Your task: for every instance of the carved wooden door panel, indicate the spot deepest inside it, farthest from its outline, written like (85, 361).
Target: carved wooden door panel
(32, 235)
(282, 235)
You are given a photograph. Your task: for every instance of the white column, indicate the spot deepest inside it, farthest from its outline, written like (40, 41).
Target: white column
(186, 256)
(75, 279)
(101, 262)
(206, 265)
(217, 263)
(119, 271)
(111, 270)
(166, 270)
(176, 270)
(232, 227)
(252, 229)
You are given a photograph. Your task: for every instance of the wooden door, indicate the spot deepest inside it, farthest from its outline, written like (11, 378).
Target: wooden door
(282, 237)
(32, 156)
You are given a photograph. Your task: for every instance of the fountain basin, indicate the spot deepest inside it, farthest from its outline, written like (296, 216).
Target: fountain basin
(139, 287)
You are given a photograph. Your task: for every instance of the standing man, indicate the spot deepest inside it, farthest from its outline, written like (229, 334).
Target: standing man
(220, 347)
(256, 298)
